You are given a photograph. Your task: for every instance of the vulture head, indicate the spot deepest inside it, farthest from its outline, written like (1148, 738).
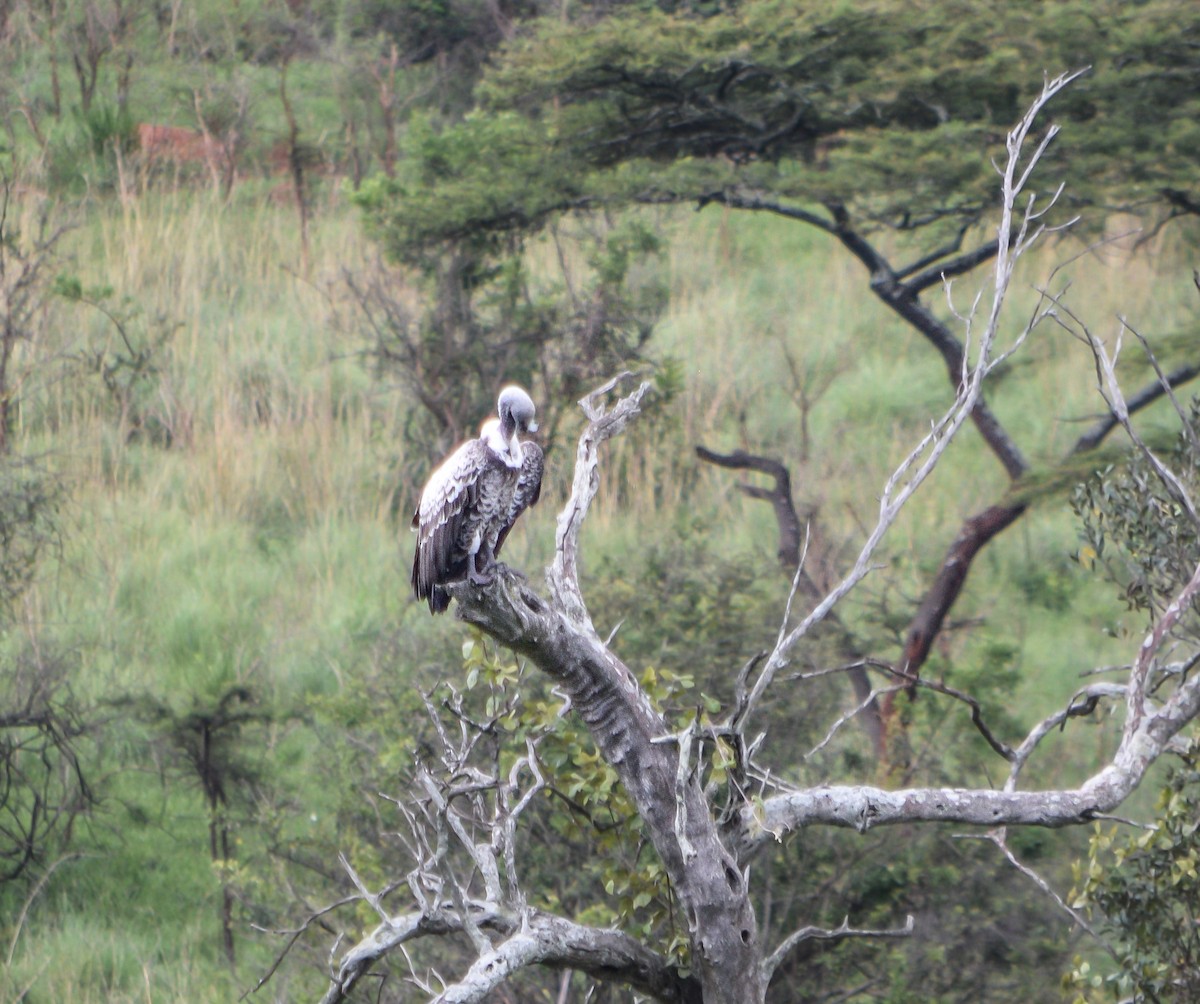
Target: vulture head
(516, 411)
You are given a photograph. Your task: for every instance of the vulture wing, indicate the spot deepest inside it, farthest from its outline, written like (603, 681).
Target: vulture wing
(447, 502)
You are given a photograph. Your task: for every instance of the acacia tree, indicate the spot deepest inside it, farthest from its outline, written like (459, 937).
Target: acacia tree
(701, 797)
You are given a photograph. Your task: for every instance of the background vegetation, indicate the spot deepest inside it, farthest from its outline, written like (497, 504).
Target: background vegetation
(213, 438)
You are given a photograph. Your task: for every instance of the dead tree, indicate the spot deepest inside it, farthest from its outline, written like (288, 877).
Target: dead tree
(464, 822)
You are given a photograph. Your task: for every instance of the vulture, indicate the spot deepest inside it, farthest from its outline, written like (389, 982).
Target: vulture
(473, 499)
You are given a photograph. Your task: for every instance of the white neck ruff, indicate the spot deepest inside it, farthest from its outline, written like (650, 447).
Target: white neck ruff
(509, 451)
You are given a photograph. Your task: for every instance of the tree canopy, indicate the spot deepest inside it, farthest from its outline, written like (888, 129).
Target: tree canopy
(888, 113)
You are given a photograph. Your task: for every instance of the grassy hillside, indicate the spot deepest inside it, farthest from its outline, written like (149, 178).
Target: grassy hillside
(238, 519)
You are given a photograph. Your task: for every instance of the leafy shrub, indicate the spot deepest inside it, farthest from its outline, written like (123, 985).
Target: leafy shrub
(1146, 890)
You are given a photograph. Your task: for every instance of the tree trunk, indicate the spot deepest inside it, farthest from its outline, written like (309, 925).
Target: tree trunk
(631, 736)
(295, 167)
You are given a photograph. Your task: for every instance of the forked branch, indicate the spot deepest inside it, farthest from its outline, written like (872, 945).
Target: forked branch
(839, 933)
(556, 635)
(462, 823)
(563, 575)
(1149, 731)
(531, 938)
(1014, 235)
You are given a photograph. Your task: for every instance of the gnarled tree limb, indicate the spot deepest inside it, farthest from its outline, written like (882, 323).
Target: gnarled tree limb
(534, 938)
(558, 637)
(1148, 733)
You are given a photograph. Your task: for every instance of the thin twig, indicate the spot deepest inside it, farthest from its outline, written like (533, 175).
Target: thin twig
(850, 715)
(293, 936)
(998, 838)
(915, 468)
(826, 934)
(38, 886)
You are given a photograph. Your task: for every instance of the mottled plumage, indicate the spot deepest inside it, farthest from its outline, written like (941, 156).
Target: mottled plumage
(472, 500)
(527, 491)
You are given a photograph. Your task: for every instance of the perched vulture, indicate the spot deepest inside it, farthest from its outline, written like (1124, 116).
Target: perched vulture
(471, 502)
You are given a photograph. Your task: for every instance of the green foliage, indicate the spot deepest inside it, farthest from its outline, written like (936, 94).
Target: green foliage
(1145, 890)
(109, 130)
(210, 740)
(885, 112)
(434, 28)
(467, 183)
(30, 500)
(1047, 584)
(490, 317)
(682, 606)
(128, 365)
(82, 150)
(1134, 526)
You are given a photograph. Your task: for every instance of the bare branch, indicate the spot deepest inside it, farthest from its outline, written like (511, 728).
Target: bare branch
(1135, 403)
(903, 297)
(843, 931)
(1138, 677)
(1110, 388)
(862, 807)
(563, 575)
(998, 838)
(867, 702)
(938, 687)
(371, 898)
(388, 936)
(902, 484)
(293, 936)
(792, 554)
(511, 813)
(980, 529)
(1167, 387)
(1082, 703)
(531, 938)
(900, 487)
